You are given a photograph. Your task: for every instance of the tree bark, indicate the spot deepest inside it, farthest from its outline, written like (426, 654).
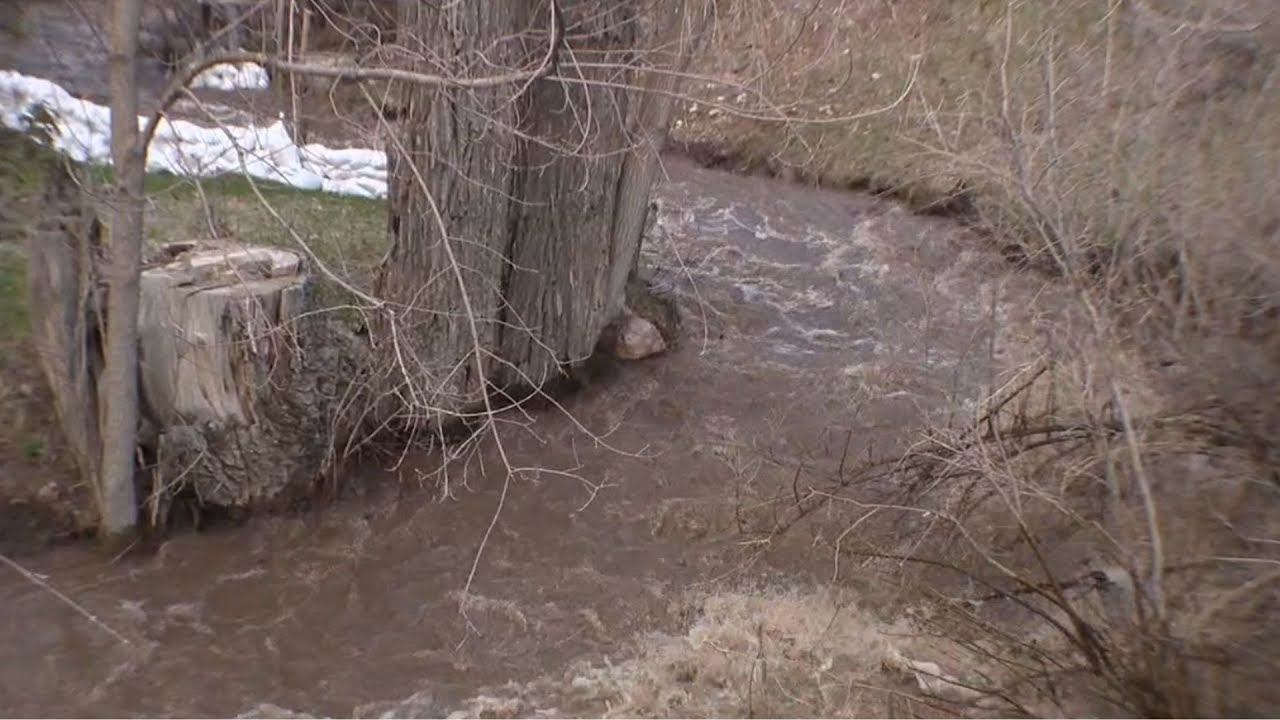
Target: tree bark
(685, 27)
(516, 211)
(119, 506)
(64, 304)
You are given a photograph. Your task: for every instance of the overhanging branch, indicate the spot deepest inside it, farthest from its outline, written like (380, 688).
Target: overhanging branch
(201, 62)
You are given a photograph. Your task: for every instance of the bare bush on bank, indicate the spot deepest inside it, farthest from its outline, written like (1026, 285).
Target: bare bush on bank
(1097, 537)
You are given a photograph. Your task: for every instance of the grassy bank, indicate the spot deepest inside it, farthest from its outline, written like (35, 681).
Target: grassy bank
(1140, 112)
(1100, 537)
(347, 233)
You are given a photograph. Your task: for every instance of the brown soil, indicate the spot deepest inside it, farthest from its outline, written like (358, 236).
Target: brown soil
(38, 507)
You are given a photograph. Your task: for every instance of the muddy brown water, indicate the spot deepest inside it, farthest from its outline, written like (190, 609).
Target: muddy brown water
(820, 322)
(809, 315)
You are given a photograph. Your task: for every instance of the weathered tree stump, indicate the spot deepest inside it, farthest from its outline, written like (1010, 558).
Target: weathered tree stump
(63, 299)
(239, 382)
(241, 385)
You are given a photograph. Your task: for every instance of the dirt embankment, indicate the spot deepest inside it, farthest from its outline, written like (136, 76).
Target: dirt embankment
(37, 504)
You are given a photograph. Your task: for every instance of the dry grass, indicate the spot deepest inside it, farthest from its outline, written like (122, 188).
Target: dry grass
(1077, 550)
(795, 653)
(749, 654)
(1101, 539)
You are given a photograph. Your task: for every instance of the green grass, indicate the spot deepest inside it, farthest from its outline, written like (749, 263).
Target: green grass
(22, 165)
(13, 305)
(348, 234)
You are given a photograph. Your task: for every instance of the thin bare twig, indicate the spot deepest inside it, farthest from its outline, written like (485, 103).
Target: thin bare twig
(77, 607)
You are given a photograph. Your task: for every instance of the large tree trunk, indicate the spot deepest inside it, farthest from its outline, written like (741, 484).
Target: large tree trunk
(516, 211)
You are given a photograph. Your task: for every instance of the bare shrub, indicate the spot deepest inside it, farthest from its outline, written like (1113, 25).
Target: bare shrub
(1098, 538)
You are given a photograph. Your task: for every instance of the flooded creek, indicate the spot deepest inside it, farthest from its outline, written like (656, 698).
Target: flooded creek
(826, 315)
(810, 317)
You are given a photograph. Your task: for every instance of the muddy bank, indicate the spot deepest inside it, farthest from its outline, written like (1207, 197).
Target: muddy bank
(959, 204)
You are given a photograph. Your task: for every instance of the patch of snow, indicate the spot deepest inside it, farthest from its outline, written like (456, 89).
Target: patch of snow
(82, 131)
(233, 76)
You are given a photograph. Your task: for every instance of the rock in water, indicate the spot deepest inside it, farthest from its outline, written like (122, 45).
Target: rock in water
(637, 339)
(648, 325)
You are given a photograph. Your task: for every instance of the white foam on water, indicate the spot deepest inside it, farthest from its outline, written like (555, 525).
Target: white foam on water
(82, 130)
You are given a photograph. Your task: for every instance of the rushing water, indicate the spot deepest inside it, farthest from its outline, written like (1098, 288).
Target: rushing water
(809, 315)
